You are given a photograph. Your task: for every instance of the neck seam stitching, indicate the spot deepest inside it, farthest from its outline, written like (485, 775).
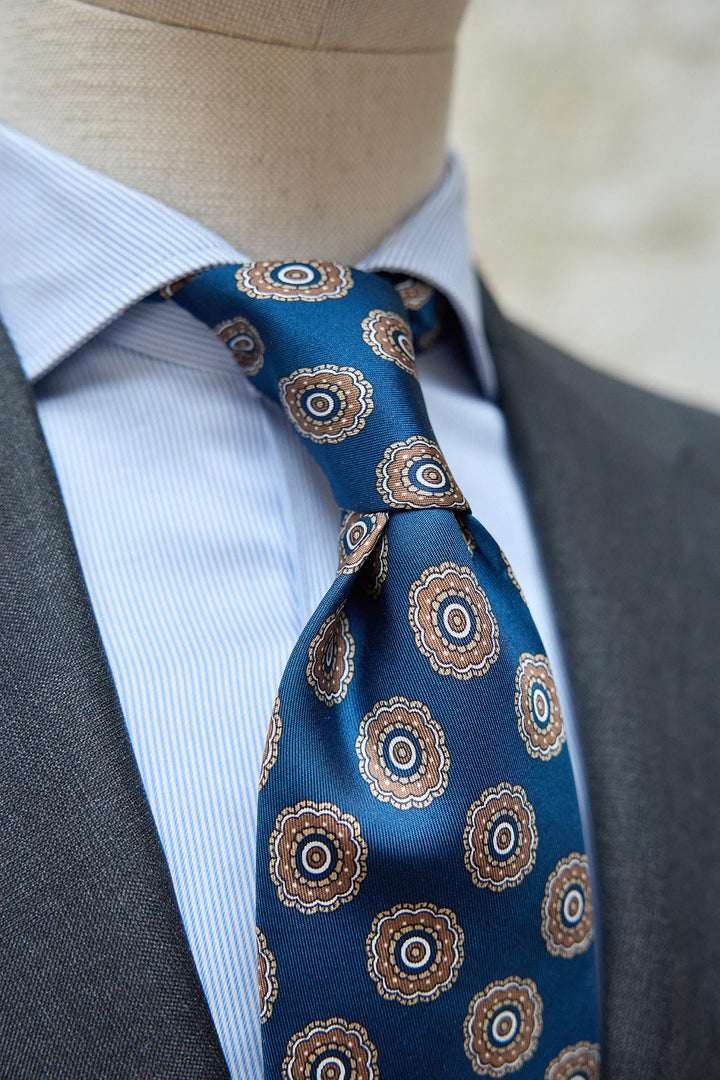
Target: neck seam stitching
(315, 48)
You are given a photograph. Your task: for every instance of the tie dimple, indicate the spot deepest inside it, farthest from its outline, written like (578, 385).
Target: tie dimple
(423, 900)
(334, 346)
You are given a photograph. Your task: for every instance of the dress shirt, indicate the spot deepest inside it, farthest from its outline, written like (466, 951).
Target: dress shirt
(206, 535)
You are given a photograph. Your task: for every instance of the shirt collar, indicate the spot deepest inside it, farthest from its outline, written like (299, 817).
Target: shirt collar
(78, 249)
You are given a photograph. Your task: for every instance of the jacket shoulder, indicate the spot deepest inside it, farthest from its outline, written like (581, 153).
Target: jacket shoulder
(667, 426)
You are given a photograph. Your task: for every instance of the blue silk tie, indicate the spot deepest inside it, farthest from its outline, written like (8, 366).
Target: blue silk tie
(423, 899)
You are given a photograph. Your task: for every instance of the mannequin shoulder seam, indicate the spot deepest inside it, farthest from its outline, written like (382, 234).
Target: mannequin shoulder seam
(292, 46)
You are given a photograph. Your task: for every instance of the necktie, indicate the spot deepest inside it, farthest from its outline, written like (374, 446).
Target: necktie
(423, 900)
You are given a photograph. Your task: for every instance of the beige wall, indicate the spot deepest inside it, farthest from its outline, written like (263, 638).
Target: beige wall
(592, 138)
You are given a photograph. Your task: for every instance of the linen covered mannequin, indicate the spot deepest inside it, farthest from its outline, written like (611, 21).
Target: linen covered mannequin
(285, 127)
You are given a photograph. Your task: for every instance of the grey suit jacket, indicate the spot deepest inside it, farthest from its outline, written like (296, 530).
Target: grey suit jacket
(96, 976)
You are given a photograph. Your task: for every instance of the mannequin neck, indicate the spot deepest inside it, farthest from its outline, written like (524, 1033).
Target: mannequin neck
(289, 141)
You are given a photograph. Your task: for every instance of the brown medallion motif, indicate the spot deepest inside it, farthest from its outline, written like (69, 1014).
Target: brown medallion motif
(537, 707)
(427, 340)
(500, 837)
(326, 403)
(376, 567)
(414, 474)
(390, 337)
(310, 281)
(402, 753)
(245, 343)
(359, 533)
(272, 743)
(511, 575)
(578, 1062)
(331, 665)
(168, 291)
(468, 537)
(267, 980)
(567, 919)
(413, 293)
(414, 952)
(317, 857)
(503, 1026)
(331, 1050)
(452, 621)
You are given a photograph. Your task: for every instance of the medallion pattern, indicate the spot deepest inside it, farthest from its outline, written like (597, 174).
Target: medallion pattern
(538, 709)
(326, 403)
(452, 621)
(331, 1050)
(331, 666)
(311, 281)
(318, 857)
(503, 1026)
(272, 743)
(168, 291)
(359, 533)
(500, 837)
(414, 294)
(377, 567)
(390, 337)
(402, 753)
(414, 952)
(467, 536)
(578, 1062)
(368, 797)
(567, 918)
(244, 342)
(427, 339)
(267, 980)
(511, 575)
(414, 475)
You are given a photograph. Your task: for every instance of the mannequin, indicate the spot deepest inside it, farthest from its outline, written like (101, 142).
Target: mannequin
(290, 129)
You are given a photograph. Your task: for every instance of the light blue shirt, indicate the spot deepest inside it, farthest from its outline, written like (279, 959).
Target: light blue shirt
(206, 536)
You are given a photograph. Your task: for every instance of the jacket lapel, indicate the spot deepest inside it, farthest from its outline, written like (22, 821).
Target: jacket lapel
(96, 974)
(598, 473)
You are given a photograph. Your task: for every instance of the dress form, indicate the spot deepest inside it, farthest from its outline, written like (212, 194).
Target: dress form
(292, 130)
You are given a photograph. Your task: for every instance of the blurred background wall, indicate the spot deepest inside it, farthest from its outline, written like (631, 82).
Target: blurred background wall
(591, 135)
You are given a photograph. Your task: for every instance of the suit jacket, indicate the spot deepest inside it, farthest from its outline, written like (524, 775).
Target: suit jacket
(96, 976)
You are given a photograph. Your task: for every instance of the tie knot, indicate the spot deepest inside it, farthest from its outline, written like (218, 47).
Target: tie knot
(335, 347)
